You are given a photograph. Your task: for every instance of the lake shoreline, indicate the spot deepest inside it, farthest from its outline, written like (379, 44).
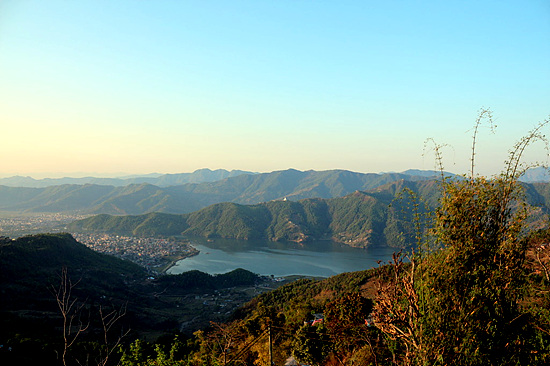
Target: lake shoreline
(172, 261)
(319, 259)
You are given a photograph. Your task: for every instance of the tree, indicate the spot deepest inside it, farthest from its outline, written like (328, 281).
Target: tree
(138, 354)
(142, 353)
(346, 319)
(109, 320)
(458, 301)
(77, 320)
(311, 344)
(71, 312)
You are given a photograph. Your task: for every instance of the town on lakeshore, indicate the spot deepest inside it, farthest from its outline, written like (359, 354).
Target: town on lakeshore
(155, 254)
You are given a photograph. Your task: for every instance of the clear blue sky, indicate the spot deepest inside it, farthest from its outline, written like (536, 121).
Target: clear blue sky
(173, 86)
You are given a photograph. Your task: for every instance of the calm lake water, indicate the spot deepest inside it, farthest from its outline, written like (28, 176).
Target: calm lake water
(321, 258)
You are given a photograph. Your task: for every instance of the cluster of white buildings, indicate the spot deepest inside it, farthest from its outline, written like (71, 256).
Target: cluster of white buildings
(148, 252)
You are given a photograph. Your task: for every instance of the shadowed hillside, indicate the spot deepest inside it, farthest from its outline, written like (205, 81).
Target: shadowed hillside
(31, 273)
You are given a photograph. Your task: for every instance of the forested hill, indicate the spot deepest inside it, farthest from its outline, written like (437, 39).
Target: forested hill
(361, 219)
(31, 322)
(358, 219)
(38, 271)
(135, 199)
(31, 265)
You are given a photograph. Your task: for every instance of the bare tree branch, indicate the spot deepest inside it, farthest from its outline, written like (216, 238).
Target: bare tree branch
(71, 312)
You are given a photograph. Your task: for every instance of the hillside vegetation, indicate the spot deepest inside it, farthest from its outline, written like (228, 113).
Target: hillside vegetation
(474, 291)
(32, 270)
(359, 219)
(381, 216)
(144, 197)
(349, 335)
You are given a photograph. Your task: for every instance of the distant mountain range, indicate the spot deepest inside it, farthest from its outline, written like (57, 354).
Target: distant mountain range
(347, 207)
(161, 180)
(247, 188)
(534, 175)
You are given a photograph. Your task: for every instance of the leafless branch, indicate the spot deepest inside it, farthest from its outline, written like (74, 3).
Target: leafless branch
(108, 320)
(71, 312)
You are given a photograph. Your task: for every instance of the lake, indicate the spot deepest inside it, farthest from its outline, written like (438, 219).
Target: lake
(319, 258)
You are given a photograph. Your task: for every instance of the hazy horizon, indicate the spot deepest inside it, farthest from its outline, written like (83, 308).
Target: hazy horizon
(170, 87)
(56, 175)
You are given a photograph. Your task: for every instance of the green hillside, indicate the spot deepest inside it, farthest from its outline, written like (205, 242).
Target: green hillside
(359, 219)
(33, 263)
(136, 199)
(476, 292)
(31, 270)
(381, 216)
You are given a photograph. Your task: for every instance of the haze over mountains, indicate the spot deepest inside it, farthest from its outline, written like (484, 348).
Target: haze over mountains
(189, 192)
(247, 188)
(161, 180)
